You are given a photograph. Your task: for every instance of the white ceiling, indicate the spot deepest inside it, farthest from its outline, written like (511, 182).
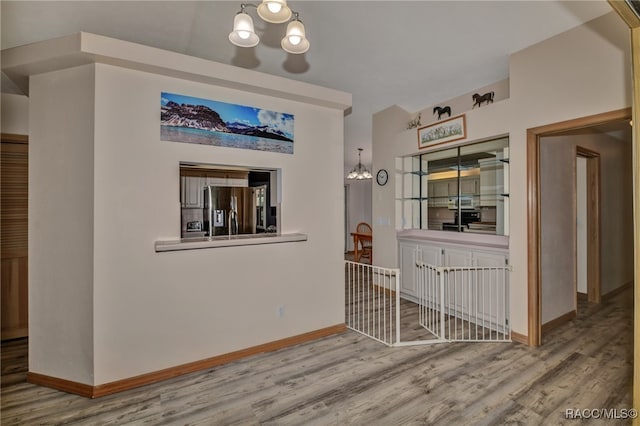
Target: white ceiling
(410, 53)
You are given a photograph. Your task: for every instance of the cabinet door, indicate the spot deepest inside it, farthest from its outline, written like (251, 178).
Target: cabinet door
(490, 284)
(459, 287)
(431, 255)
(431, 194)
(440, 193)
(193, 192)
(452, 187)
(469, 186)
(457, 257)
(409, 253)
(240, 182)
(408, 269)
(215, 181)
(489, 259)
(441, 189)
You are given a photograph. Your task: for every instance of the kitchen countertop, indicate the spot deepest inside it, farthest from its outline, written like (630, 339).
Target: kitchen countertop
(226, 241)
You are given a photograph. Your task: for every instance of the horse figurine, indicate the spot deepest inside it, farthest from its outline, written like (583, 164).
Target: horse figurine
(414, 123)
(442, 110)
(479, 99)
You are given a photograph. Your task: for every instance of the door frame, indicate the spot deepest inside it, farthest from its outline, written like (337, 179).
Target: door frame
(631, 16)
(347, 235)
(534, 290)
(593, 223)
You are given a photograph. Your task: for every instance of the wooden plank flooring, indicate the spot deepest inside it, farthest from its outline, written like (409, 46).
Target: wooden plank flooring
(349, 379)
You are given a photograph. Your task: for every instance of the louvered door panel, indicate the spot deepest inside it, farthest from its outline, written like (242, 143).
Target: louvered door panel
(14, 184)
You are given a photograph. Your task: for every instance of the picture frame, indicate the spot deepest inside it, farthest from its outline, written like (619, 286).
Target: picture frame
(451, 129)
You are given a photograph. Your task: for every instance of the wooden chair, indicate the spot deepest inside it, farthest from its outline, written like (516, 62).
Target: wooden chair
(366, 244)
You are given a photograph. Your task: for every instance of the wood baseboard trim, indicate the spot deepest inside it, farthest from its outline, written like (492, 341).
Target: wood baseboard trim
(14, 138)
(617, 291)
(89, 391)
(14, 333)
(60, 384)
(562, 319)
(520, 338)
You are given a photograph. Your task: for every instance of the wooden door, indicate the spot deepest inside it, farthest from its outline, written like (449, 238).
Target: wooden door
(14, 183)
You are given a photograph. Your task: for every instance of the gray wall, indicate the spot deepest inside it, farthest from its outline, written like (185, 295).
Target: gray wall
(557, 154)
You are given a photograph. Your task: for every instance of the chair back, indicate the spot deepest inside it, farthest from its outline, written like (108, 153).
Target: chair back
(365, 243)
(363, 228)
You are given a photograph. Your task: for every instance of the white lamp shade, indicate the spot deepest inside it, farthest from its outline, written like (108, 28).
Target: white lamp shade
(243, 34)
(295, 41)
(274, 11)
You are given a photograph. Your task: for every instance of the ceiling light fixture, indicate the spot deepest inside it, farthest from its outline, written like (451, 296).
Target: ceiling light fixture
(275, 12)
(359, 172)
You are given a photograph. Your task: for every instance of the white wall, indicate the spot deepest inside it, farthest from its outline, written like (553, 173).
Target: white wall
(388, 125)
(581, 225)
(61, 208)
(158, 310)
(557, 177)
(581, 72)
(14, 114)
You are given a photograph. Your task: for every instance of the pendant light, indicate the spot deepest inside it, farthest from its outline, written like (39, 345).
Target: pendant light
(243, 34)
(276, 12)
(359, 172)
(295, 41)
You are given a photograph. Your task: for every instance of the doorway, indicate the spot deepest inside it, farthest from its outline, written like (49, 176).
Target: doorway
(14, 184)
(587, 222)
(534, 202)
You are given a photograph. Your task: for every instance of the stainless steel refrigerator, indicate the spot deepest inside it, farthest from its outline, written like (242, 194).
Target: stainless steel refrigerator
(229, 210)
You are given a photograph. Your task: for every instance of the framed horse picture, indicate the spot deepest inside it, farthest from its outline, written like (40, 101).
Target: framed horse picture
(443, 131)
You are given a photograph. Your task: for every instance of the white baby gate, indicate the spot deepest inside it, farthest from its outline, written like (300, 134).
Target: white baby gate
(371, 301)
(455, 304)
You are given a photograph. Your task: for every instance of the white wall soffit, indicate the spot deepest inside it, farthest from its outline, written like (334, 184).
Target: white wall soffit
(18, 63)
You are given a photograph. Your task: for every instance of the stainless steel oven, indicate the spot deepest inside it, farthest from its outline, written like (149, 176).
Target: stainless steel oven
(467, 218)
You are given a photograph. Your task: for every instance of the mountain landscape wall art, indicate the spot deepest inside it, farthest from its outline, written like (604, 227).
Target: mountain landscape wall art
(202, 121)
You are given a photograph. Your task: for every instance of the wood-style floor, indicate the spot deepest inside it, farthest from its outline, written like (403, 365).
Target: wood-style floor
(348, 379)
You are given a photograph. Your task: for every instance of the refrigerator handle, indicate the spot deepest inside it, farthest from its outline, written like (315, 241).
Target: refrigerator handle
(209, 202)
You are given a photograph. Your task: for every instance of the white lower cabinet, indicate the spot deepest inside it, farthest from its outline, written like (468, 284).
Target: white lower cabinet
(457, 257)
(477, 299)
(491, 289)
(410, 252)
(408, 256)
(442, 254)
(489, 259)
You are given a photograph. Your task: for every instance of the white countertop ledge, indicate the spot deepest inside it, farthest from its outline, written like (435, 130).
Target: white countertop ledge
(460, 238)
(224, 241)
